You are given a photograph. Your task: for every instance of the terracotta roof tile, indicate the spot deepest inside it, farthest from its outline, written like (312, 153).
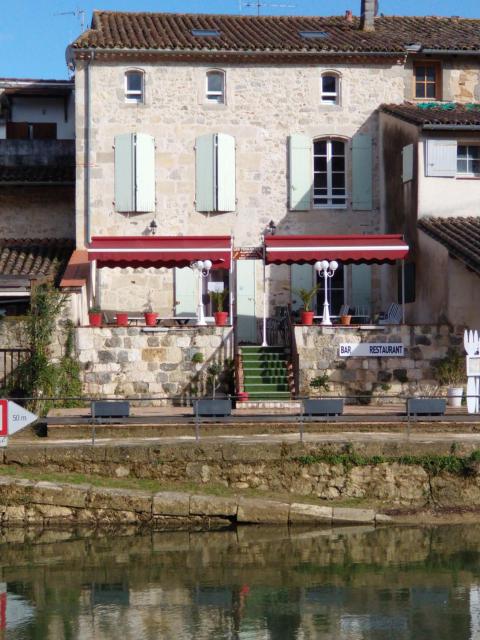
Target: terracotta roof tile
(37, 174)
(173, 31)
(461, 236)
(430, 113)
(34, 258)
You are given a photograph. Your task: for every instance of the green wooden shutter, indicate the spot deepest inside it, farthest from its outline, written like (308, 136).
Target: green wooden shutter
(246, 312)
(301, 278)
(361, 285)
(185, 292)
(124, 172)
(362, 171)
(407, 163)
(225, 172)
(205, 173)
(300, 172)
(441, 158)
(145, 172)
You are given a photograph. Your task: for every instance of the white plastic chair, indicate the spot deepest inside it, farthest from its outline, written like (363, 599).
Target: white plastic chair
(393, 315)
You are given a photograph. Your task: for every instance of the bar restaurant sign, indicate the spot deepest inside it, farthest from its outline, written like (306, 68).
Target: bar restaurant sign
(371, 349)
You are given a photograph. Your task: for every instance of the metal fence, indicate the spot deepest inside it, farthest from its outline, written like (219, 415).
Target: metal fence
(10, 360)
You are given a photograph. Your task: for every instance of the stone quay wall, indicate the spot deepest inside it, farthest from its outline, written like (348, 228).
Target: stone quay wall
(138, 362)
(316, 349)
(299, 470)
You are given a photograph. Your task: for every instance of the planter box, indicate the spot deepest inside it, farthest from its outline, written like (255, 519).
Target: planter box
(426, 406)
(213, 407)
(107, 409)
(323, 407)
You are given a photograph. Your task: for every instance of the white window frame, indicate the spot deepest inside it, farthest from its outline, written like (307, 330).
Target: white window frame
(134, 96)
(215, 97)
(467, 174)
(330, 197)
(331, 98)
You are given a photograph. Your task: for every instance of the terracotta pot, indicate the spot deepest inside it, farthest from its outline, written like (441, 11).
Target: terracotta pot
(306, 317)
(345, 319)
(150, 318)
(221, 318)
(122, 319)
(243, 396)
(95, 319)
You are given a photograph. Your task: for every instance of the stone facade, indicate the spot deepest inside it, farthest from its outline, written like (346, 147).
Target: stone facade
(135, 362)
(317, 352)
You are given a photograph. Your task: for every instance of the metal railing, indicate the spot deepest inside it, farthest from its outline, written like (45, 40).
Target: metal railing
(10, 360)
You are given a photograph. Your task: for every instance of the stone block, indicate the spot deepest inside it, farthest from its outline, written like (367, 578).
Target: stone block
(213, 506)
(106, 357)
(381, 517)
(84, 339)
(61, 495)
(262, 511)
(120, 500)
(54, 512)
(344, 514)
(171, 503)
(304, 513)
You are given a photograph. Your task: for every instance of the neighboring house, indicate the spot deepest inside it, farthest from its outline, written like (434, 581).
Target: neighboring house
(195, 127)
(37, 185)
(431, 154)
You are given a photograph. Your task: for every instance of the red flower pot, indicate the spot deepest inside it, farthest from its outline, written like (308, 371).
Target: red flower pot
(95, 319)
(150, 318)
(306, 317)
(221, 318)
(242, 396)
(122, 319)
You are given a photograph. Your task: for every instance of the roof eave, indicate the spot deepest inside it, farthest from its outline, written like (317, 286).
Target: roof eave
(451, 52)
(446, 127)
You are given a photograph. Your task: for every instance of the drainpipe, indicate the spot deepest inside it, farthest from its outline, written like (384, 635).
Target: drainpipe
(368, 11)
(88, 144)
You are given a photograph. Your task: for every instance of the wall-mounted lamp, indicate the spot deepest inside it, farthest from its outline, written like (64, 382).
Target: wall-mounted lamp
(153, 227)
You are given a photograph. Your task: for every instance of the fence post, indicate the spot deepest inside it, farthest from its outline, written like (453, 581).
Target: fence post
(197, 423)
(301, 420)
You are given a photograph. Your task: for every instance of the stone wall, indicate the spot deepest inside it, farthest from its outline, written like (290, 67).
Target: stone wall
(317, 350)
(137, 362)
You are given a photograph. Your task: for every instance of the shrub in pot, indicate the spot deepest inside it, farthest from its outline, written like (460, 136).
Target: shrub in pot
(218, 300)
(306, 296)
(95, 317)
(450, 372)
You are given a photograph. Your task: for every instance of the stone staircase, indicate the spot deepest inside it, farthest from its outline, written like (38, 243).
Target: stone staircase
(265, 373)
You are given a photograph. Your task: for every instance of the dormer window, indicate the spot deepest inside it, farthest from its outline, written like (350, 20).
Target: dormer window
(215, 86)
(134, 90)
(330, 88)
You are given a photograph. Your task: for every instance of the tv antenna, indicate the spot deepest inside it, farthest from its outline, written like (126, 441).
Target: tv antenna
(258, 4)
(78, 13)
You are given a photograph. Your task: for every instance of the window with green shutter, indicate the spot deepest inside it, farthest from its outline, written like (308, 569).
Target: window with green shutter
(362, 167)
(300, 172)
(134, 172)
(215, 186)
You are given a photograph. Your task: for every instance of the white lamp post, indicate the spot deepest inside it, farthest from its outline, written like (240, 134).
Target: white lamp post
(327, 270)
(202, 269)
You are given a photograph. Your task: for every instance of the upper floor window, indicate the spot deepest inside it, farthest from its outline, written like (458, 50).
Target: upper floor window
(427, 80)
(329, 179)
(134, 90)
(468, 160)
(215, 86)
(330, 88)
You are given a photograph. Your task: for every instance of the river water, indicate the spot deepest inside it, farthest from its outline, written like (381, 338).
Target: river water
(255, 583)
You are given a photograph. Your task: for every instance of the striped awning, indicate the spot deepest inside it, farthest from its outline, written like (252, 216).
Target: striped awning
(347, 249)
(159, 251)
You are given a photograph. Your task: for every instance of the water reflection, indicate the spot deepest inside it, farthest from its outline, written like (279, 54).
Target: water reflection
(258, 584)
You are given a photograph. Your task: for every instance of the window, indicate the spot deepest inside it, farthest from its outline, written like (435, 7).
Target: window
(314, 35)
(329, 88)
(134, 86)
(427, 80)
(329, 174)
(205, 33)
(335, 293)
(468, 160)
(215, 87)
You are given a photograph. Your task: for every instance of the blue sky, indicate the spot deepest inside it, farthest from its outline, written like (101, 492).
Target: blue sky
(33, 38)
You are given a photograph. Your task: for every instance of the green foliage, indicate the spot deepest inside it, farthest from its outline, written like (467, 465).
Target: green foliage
(451, 369)
(39, 377)
(94, 309)
(218, 299)
(321, 382)
(198, 357)
(306, 296)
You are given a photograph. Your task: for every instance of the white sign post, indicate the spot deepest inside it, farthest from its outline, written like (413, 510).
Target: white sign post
(471, 342)
(13, 417)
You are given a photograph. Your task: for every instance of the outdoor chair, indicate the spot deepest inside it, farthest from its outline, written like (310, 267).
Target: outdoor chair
(393, 315)
(362, 313)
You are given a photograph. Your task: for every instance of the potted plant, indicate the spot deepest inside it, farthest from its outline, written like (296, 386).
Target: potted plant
(345, 319)
(306, 296)
(149, 315)
(450, 372)
(122, 319)
(95, 316)
(218, 300)
(320, 382)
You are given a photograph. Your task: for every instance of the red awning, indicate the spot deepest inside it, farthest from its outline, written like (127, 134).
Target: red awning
(355, 248)
(165, 251)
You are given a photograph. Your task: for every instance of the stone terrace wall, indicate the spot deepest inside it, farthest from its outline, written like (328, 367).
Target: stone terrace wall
(130, 361)
(317, 349)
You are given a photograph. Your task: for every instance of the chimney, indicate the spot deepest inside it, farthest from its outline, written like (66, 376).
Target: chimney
(348, 15)
(368, 11)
